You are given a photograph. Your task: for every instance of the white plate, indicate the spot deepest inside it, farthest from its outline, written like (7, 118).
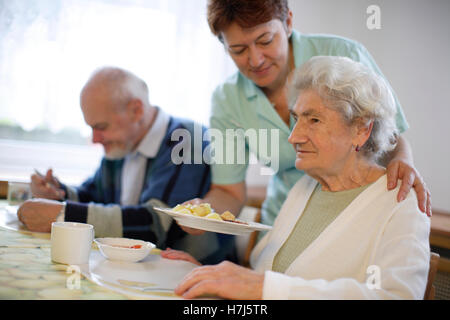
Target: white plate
(206, 224)
(152, 278)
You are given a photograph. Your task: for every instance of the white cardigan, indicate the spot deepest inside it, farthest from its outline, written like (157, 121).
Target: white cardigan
(376, 248)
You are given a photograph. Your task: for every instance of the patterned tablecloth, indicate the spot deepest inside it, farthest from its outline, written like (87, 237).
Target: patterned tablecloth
(27, 272)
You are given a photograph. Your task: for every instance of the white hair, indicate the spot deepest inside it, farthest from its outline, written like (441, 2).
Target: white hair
(356, 92)
(123, 85)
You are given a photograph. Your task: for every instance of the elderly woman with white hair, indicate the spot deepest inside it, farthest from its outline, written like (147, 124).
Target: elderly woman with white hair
(340, 234)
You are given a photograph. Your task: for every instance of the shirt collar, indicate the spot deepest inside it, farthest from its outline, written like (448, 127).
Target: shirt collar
(249, 87)
(296, 47)
(151, 142)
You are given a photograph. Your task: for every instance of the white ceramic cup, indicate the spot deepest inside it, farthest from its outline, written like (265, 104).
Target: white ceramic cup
(71, 242)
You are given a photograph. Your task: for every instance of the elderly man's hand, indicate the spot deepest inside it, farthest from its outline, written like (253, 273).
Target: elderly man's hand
(38, 214)
(47, 187)
(226, 280)
(411, 178)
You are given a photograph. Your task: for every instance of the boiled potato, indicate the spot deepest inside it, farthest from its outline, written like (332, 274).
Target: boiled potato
(204, 210)
(185, 211)
(214, 215)
(182, 209)
(227, 215)
(178, 207)
(201, 210)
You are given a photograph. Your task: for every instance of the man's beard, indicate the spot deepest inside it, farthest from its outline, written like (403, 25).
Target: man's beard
(117, 153)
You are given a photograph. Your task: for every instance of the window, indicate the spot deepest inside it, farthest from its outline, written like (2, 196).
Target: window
(48, 49)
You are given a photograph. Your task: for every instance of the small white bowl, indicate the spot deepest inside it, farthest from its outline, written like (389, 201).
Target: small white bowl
(119, 249)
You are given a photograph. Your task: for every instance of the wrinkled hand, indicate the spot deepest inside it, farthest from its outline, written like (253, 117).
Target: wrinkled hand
(47, 187)
(192, 231)
(226, 280)
(179, 255)
(38, 214)
(411, 178)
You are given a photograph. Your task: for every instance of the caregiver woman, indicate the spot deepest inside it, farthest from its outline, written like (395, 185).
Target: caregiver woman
(340, 234)
(266, 49)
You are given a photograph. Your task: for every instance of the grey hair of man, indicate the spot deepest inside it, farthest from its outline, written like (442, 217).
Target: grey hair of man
(122, 86)
(356, 92)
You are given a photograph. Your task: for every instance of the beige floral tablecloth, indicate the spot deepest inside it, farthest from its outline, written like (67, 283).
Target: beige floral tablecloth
(27, 272)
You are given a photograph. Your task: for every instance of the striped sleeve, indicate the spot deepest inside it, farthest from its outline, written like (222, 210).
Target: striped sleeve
(135, 222)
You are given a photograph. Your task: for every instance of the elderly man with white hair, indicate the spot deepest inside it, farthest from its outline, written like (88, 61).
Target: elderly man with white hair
(136, 172)
(340, 234)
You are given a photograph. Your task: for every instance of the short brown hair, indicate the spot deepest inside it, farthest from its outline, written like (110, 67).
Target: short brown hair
(246, 13)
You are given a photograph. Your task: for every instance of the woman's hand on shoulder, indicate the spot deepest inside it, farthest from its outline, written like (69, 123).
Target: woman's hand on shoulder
(411, 178)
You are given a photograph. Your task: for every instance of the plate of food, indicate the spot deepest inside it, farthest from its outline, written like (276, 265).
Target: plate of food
(203, 217)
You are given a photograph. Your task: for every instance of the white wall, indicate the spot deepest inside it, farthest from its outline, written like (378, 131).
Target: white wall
(412, 49)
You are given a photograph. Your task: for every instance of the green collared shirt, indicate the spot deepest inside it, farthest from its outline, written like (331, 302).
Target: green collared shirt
(240, 104)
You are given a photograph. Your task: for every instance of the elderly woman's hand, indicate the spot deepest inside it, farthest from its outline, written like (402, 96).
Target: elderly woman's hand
(179, 255)
(226, 280)
(398, 169)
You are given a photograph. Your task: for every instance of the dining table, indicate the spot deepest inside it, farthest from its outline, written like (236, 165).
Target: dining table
(27, 271)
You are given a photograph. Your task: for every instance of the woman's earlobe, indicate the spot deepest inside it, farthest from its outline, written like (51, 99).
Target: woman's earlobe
(364, 132)
(288, 28)
(288, 24)
(369, 129)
